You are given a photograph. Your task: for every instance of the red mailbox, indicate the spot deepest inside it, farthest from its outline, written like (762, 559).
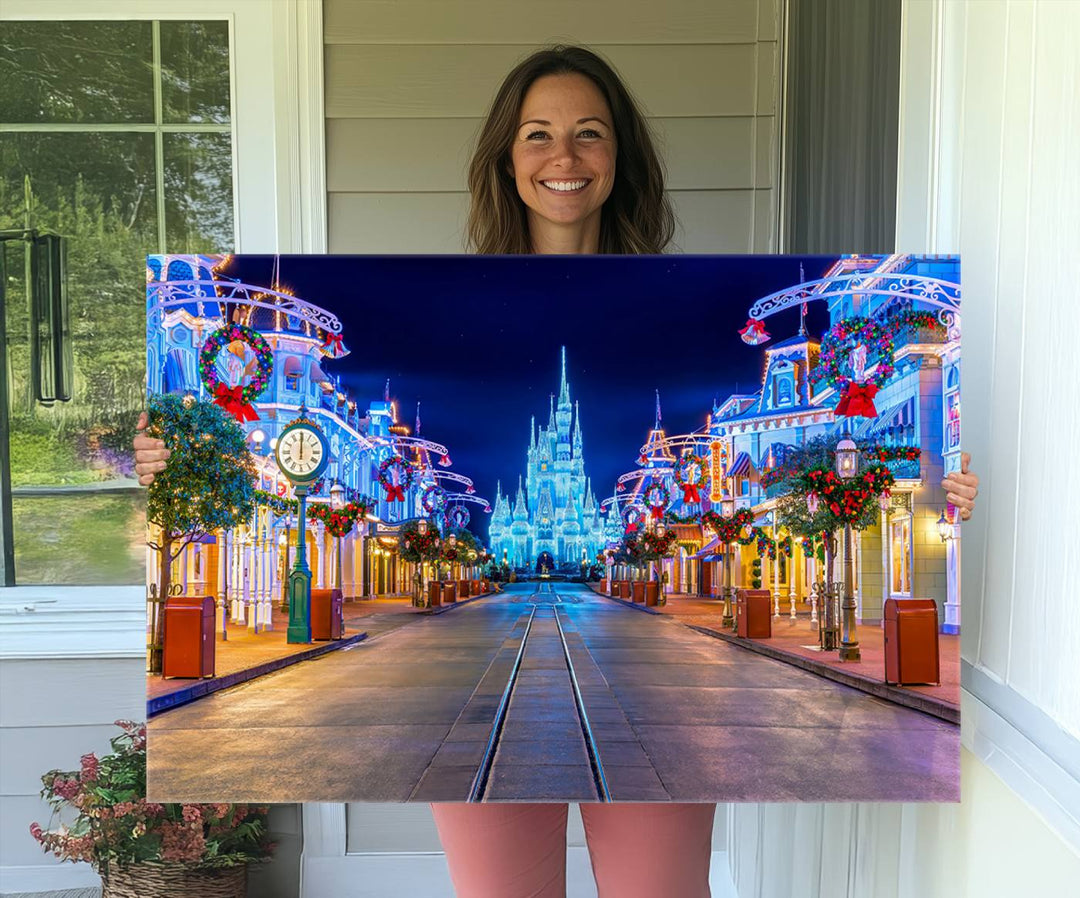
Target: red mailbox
(189, 637)
(911, 642)
(326, 620)
(753, 615)
(434, 593)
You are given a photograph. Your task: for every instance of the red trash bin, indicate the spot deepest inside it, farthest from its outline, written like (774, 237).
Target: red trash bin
(326, 620)
(434, 593)
(624, 589)
(911, 642)
(463, 589)
(449, 593)
(639, 592)
(753, 614)
(652, 594)
(189, 637)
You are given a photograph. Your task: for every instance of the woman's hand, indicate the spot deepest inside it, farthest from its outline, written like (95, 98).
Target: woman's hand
(961, 487)
(150, 454)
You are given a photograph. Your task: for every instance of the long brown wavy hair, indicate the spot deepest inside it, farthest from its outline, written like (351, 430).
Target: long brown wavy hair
(637, 216)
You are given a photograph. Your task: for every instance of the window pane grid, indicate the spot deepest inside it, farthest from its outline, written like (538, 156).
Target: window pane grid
(91, 181)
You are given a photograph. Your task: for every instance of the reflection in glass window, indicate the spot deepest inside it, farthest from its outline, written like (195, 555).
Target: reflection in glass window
(127, 176)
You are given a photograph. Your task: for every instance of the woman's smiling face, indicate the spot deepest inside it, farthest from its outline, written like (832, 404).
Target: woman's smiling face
(563, 154)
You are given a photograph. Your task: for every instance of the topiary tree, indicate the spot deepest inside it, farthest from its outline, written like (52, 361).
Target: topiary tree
(208, 485)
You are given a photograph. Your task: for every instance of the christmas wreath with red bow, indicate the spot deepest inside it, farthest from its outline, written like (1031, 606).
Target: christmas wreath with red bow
(433, 500)
(691, 475)
(656, 498)
(236, 400)
(857, 397)
(395, 475)
(458, 517)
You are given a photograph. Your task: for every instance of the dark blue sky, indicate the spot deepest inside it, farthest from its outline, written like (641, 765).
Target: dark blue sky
(476, 340)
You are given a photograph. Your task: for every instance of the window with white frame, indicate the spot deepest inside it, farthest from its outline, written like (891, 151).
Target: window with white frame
(900, 555)
(117, 135)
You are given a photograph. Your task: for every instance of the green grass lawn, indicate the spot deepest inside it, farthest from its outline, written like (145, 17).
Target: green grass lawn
(80, 539)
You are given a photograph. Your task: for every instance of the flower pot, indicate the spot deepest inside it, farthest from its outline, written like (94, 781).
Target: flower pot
(173, 880)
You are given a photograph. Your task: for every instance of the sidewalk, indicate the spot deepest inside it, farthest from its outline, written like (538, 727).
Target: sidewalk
(796, 642)
(246, 655)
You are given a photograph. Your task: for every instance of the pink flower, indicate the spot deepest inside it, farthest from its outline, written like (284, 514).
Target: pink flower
(181, 842)
(65, 788)
(191, 813)
(89, 767)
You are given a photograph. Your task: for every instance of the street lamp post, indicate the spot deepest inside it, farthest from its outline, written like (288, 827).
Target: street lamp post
(727, 509)
(847, 466)
(661, 530)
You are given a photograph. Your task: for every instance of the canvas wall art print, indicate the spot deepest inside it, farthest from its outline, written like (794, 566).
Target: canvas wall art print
(657, 528)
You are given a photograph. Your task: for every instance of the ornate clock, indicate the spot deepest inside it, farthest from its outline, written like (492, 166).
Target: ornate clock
(302, 452)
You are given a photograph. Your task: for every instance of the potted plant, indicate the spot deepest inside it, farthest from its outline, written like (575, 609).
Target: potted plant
(142, 848)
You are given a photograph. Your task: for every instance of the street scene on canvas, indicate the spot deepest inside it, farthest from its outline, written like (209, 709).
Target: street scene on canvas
(458, 528)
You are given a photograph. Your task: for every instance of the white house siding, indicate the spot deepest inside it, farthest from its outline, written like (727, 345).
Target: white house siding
(68, 669)
(408, 84)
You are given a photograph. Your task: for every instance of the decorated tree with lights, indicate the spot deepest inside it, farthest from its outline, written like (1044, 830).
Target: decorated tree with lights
(809, 481)
(208, 485)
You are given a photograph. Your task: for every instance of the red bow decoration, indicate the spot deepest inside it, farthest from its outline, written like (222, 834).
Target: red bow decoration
(470, 490)
(620, 488)
(754, 332)
(395, 492)
(690, 493)
(657, 511)
(333, 343)
(231, 399)
(642, 460)
(857, 401)
(445, 461)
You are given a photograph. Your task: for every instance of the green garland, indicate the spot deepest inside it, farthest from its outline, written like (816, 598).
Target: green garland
(729, 530)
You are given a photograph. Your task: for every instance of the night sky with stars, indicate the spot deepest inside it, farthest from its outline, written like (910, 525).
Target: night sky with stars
(476, 340)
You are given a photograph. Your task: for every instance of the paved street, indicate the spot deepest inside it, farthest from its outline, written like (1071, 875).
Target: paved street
(675, 714)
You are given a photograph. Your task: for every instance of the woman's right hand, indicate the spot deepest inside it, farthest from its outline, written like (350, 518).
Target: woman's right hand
(150, 454)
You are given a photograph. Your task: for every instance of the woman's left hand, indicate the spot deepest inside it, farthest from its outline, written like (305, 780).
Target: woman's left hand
(961, 487)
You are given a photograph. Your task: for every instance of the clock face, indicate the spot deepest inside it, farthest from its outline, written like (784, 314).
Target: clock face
(301, 453)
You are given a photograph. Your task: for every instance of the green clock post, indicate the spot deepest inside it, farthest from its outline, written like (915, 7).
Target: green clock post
(302, 455)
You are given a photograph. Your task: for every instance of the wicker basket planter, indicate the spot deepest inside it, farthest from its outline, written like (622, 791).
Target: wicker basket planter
(171, 880)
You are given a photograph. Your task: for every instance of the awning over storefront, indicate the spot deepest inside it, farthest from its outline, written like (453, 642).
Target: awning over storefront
(709, 550)
(897, 416)
(687, 533)
(741, 466)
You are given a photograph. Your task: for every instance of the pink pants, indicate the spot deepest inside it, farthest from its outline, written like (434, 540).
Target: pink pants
(519, 850)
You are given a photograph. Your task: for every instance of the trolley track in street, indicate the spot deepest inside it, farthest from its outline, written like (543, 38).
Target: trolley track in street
(539, 648)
